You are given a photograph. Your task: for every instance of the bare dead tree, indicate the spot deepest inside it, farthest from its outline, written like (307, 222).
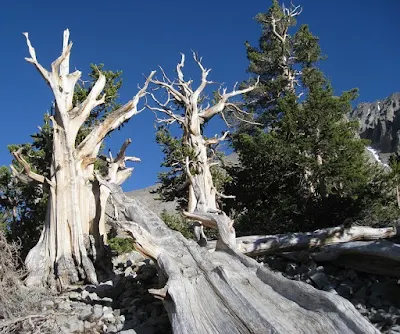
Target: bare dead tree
(61, 256)
(202, 203)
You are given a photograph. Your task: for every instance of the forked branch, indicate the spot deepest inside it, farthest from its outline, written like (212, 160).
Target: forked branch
(181, 92)
(223, 101)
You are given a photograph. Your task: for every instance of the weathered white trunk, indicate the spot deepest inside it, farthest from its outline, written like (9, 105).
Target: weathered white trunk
(202, 194)
(74, 224)
(202, 202)
(227, 292)
(70, 215)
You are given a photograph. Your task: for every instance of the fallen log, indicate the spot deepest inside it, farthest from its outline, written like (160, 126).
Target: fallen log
(256, 245)
(227, 292)
(380, 257)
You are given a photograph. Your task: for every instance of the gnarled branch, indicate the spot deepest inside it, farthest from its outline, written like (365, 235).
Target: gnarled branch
(224, 98)
(27, 170)
(112, 121)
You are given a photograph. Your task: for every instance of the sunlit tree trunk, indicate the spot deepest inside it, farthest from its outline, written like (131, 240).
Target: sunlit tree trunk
(202, 202)
(74, 224)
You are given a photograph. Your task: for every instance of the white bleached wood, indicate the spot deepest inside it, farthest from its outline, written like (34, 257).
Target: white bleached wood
(255, 245)
(74, 208)
(202, 201)
(226, 292)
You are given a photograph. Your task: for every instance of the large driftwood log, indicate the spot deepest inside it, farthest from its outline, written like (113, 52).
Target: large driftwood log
(225, 291)
(256, 245)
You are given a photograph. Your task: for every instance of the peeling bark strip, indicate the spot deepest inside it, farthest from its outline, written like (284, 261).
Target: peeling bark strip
(76, 204)
(227, 292)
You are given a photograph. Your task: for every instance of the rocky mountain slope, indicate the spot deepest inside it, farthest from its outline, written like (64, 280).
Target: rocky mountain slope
(380, 123)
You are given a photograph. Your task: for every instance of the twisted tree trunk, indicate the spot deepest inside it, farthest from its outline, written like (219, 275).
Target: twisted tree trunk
(74, 223)
(227, 292)
(202, 201)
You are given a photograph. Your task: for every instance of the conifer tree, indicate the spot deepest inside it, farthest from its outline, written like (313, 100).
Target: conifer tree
(304, 168)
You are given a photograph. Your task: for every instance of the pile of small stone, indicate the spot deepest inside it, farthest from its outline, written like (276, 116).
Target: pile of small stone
(376, 297)
(119, 305)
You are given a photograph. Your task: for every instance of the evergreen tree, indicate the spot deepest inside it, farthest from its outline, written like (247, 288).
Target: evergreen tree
(304, 168)
(278, 59)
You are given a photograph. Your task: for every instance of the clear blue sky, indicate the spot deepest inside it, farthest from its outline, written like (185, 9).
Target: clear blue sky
(360, 37)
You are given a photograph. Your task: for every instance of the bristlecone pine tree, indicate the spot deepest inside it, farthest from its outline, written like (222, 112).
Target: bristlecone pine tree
(23, 204)
(192, 156)
(73, 226)
(304, 169)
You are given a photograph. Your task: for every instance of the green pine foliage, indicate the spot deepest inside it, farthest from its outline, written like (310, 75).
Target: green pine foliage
(121, 245)
(268, 59)
(304, 168)
(178, 223)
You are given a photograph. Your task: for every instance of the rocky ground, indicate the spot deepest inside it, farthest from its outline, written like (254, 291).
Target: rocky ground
(120, 305)
(124, 305)
(376, 297)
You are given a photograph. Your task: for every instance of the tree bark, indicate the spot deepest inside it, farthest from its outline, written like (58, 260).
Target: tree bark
(380, 257)
(227, 292)
(74, 220)
(202, 201)
(256, 245)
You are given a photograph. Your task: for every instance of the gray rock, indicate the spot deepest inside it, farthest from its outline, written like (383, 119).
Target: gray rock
(129, 272)
(351, 274)
(73, 324)
(111, 329)
(63, 306)
(319, 279)
(81, 326)
(85, 294)
(93, 296)
(74, 295)
(379, 122)
(108, 315)
(48, 304)
(291, 269)
(394, 330)
(87, 325)
(361, 308)
(361, 293)
(64, 329)
(97, 311)
(62, 319)
(107, 301)
(128, 331)
(86, 313)
(344, 290)
(376, 317)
